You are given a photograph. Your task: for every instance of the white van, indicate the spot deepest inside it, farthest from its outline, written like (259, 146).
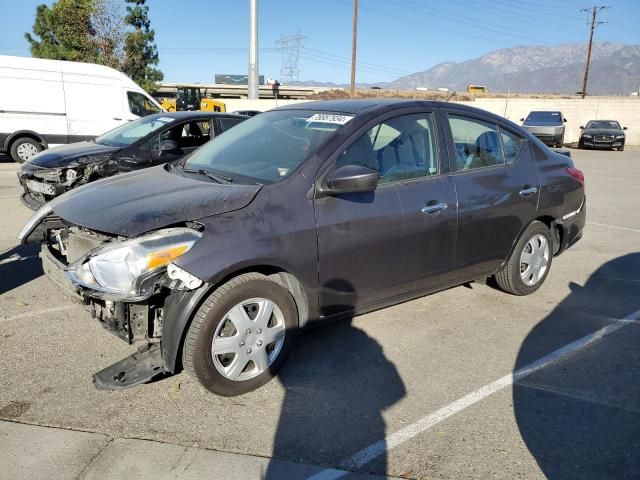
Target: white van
(44, 103)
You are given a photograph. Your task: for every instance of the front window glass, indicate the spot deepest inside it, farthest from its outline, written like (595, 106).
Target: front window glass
(128, 133)
(549, 117)
(400, 148)
(604, 124)
(477, 143)
(141, 105)
(268, 147)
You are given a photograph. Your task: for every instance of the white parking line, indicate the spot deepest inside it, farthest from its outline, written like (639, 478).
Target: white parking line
(17, 258)
(9, 196)
(377, 449)
(614, 226)
(37, 313)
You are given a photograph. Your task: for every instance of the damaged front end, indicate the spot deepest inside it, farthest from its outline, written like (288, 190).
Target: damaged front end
(123, 282)
(41, 184)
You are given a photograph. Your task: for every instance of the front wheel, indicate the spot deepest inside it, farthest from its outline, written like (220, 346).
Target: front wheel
(24, 148)
(621, 148)
(529, 263)
(241, 335)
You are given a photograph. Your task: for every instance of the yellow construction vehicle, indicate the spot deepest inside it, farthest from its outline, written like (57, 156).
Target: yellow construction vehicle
(191, 98)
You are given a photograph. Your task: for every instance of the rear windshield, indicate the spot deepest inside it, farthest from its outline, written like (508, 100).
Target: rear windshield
(550, 117)
(268, 147)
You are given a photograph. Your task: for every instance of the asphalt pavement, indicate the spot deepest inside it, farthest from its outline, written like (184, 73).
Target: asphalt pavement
(466, 383)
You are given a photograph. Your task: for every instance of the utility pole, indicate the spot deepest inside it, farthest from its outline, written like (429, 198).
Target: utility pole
(352, 88)
(594, 13)
(254, 92)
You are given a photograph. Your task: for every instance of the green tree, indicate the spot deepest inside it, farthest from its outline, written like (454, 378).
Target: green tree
(140, 51)
(64, 31)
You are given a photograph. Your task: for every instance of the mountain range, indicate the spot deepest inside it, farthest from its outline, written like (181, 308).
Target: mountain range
(614, 69)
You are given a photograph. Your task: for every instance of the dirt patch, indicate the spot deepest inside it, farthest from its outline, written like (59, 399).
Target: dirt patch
(14, 410)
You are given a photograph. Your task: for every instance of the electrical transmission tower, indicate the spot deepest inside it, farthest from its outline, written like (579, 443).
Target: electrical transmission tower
(290, 47)
(594, 14)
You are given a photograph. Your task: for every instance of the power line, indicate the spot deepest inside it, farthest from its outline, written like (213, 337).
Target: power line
(594, 24)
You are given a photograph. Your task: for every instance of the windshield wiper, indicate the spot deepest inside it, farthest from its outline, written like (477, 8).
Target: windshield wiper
(213, 176)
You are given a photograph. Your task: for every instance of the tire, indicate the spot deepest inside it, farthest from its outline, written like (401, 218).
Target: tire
(621, 149)
(233, 371)
(24, 148)
(510, 279)
(580, 145)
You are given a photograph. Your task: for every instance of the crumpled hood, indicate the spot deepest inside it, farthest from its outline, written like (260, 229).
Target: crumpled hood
(62, 156)
(141, 201)
(602, 131)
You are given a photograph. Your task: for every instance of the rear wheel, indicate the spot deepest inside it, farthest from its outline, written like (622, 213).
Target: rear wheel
(24, 148)
(529, 263)
(241, 335)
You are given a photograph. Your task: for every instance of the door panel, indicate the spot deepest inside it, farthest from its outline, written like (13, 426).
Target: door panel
(379, 245)
(493, 168)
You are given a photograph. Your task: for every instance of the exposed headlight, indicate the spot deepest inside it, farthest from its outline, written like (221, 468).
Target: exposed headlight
(71, 175)
(586, 136)
(127, 269)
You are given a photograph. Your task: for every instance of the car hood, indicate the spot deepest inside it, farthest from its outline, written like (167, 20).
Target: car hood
(530, 123)
(602, 131)
(73, 153)
(141, 201)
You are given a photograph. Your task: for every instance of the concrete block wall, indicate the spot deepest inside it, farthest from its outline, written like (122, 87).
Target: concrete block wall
(625, 110)
(577, 111)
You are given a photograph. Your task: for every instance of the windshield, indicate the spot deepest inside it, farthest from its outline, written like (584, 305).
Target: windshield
(126, 134)
(268, 147)
(549, 117)
(604, 124)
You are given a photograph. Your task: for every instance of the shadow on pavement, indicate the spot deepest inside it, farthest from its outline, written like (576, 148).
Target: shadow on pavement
(18, 266)
(580, 417)
(338, 383)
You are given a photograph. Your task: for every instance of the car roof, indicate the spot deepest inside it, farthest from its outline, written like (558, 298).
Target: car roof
(358, 106)
(193, 114)
(599, 120)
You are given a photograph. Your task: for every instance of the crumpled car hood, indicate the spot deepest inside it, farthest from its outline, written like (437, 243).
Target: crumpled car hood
(145, 200)
(73, 153)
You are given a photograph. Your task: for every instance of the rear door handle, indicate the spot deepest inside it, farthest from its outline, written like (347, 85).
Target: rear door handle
(438, 207)
(528, 191)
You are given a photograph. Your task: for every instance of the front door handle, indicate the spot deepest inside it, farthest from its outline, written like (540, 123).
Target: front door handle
(438, 207)
(528, 191)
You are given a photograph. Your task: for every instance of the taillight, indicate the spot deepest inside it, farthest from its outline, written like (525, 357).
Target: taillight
(575, 173)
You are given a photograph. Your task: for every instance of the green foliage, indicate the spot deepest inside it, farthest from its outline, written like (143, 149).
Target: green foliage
(94, 31)
(140, 51)
(63, 31)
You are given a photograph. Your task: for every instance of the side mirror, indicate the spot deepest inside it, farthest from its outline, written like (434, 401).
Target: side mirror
(581, 127)
(564, 120)
(350, 179)
(624, 128)
(168, 146)
(522, 119)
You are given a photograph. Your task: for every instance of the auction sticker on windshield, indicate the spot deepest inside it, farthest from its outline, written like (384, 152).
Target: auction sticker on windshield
(329, 118)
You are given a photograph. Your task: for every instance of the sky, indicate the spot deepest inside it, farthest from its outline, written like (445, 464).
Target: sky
(197, 39)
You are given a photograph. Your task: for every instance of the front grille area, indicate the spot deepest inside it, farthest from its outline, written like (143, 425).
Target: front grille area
(603, 138)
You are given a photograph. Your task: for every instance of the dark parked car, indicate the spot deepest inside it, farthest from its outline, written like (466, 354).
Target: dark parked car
(602, 134)
(305, 214)
(143, 143)
(547, 126)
